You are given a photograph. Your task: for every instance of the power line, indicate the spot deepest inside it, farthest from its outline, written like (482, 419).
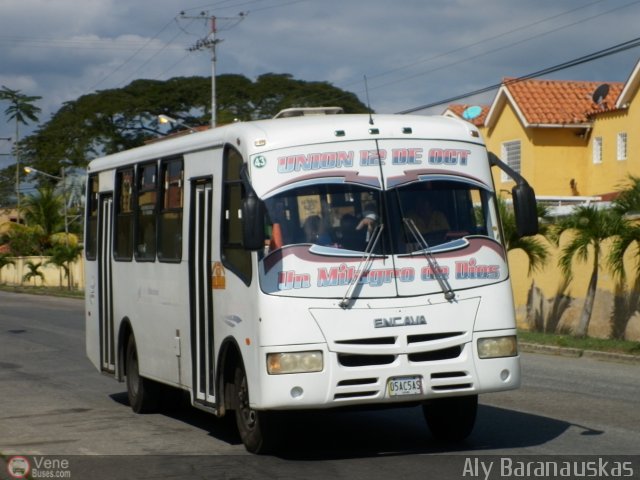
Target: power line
(132, 56)
(621, 47)
(503, 47)
(487, 39)
(471, 45)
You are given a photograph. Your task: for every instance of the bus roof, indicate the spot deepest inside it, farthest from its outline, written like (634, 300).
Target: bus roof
(264, 135)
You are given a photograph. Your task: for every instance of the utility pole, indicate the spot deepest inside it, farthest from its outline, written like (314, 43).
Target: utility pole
(210, 42)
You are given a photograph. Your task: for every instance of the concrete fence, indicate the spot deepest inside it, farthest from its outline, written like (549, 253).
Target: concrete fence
(53, 276)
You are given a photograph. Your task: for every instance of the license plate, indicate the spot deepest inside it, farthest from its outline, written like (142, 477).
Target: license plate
(400, 386)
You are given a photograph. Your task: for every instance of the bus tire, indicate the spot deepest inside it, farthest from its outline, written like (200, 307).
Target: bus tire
(254, 426)
(141, 391)
(451, 419)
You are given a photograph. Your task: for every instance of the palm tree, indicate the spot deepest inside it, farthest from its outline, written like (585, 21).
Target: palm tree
(63, 256)
(5, 259)
(626, 303)
(627, 202)
(536, 251)
(590, 228)
(21, 109)
(43, 209)
(34, 272)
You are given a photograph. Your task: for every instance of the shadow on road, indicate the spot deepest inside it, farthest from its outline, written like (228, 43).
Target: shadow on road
(327, 435)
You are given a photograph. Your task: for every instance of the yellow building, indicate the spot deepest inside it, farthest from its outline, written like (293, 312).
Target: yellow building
(570, 140)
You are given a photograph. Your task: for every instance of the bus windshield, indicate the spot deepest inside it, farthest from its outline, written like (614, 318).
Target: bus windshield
(343, 217)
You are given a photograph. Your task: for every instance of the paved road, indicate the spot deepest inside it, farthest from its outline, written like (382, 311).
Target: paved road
(53, 403)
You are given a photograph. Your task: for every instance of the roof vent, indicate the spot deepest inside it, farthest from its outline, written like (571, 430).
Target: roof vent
(308, 111)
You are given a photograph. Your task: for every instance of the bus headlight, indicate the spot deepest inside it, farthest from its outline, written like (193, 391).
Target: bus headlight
(294, 362)
(494, 347)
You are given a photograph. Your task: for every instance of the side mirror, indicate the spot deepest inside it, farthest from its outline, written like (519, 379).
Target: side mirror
(525, 209)
(253, 212)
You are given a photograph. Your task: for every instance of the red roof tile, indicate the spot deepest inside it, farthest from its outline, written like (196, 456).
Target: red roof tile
(551, 102)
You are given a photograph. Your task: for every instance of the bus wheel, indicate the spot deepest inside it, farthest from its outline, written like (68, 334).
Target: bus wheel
(141, 391)
(451, 419)
(254, 426)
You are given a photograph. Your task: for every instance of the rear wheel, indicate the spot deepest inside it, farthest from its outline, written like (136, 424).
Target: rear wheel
(142, 392)
(451, 419)
(255, 427)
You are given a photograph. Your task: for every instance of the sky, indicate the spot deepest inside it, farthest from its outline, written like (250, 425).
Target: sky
(412, 52)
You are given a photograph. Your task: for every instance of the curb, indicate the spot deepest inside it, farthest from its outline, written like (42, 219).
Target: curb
(578, 353)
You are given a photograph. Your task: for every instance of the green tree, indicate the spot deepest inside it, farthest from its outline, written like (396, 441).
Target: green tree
(44, 208)
(627, 301)
(63, 256)
(5, 259)
(34, 272)
(627, 202)
(21, 109)
(110, 121)
(589, 227)
(535, 250)
(25, 241)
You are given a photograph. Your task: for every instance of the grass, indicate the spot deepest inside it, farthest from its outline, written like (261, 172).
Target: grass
(51, 291)
(587, 343)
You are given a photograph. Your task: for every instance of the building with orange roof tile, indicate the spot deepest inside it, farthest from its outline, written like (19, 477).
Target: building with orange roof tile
(568, 138)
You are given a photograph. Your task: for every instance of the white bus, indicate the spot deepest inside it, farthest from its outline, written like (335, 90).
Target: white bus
(305, 263)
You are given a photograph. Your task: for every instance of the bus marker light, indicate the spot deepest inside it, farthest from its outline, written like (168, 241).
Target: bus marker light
(217, 276)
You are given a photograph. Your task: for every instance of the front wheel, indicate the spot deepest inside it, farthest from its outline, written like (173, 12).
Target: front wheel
(142, 392)
(451, 419)
(255, 427)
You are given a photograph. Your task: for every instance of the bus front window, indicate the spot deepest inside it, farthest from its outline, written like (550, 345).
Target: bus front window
(441, 211)
(331, 215)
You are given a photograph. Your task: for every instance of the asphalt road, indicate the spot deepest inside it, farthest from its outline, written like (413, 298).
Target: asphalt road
(55, 405)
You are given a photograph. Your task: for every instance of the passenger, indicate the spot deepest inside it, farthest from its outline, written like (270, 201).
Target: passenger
(314, 231)
(369, 219)
(427, 219)
(352, 238)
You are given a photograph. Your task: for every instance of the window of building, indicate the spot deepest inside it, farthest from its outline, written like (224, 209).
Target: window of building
(511, 155)
(91, 237)
(622, 146)
(146, 212)
(234, 256)
(123, 234)
(597, 150)
(170, 221)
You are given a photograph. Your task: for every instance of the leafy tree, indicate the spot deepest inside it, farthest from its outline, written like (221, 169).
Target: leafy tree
(5, 259)
(110, 121)
(590, 228)
(34, 272)
(25, 241)
(63, 256)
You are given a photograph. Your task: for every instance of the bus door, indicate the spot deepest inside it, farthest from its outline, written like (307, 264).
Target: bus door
(201, 300)
(105, 290)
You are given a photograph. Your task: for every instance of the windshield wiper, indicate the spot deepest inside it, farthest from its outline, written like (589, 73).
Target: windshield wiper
(366, 257)
(449, 294)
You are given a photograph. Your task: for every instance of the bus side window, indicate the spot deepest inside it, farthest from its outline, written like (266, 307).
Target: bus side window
(170, 220)
(123, 231)
(91, 237)
(146, 212)
(234, 256)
